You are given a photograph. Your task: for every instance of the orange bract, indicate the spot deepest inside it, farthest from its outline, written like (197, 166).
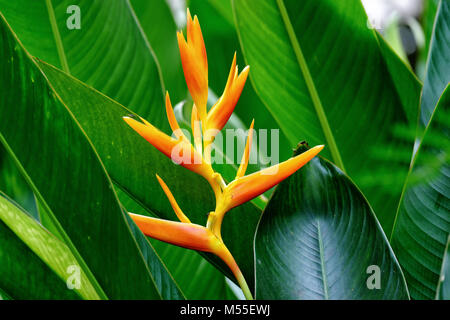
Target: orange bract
(246, 188)
(220, 113)
(195, 63)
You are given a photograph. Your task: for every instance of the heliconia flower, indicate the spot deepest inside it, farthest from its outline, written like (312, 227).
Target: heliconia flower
(197, 156)
(195, 63)
(246, 188)
(220, 113)
(179, 150)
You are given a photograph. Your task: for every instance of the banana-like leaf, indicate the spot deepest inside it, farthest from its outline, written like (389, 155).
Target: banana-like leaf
(132, 164)
(443, 290)
(437, 72)
(423, 218)
(109, 51)
(320, 70)
(48, 258)
(159, 26)
(318, 238)
(59, 162)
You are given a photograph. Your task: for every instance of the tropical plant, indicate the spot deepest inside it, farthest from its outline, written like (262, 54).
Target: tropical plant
(83, 217)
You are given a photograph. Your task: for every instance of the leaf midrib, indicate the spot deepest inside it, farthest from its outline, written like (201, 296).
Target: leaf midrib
(311, 87)
(322, 262)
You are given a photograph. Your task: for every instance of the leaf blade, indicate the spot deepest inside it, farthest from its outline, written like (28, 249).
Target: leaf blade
(423, 218)
(319, 235)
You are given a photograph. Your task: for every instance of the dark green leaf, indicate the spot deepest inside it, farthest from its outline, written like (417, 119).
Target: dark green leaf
(437, 72)
(423, 218)
(318, 238)
(159, 26)
(59, 163)
(109, 51)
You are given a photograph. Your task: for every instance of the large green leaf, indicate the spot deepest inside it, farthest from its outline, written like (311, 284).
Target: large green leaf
(132, 164)
(26, 237)
(423, 218)
(318, 238)
(320, 70)
(437, 73)
(159, 26)
(109, 51)
(59, 163)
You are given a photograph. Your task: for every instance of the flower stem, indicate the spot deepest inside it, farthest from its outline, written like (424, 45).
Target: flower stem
(244, 287)
(228, 258)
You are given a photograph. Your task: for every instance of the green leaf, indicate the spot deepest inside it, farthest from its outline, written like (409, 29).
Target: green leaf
(405, 82)
(443, 289)
(437, 73)
(132, 164)
(159, 27)
(320, 69)
(318, 238)
(64, 171)
(4, 296)
(423, 218)
(109, 51)
(13, 184)
(52, 252)
(427, 22)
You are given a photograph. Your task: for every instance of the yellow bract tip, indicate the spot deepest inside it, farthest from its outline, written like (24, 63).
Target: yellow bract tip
(246, 155)
(176, 208)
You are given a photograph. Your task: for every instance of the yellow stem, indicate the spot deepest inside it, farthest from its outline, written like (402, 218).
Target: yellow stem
(227, 257)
